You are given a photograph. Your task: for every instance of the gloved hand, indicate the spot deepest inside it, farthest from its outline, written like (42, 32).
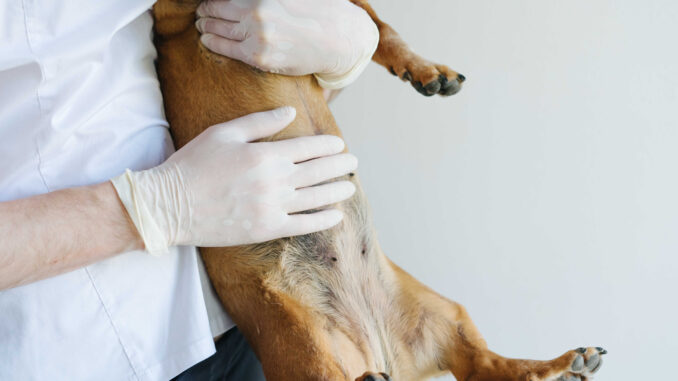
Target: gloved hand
(220, 190)
(333, 39)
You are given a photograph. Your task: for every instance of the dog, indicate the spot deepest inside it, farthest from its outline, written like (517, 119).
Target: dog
(329, 305)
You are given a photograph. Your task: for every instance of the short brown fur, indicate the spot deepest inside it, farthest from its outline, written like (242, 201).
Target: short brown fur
(308, 318)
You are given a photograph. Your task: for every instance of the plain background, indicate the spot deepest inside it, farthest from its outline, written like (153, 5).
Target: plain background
(543, 196)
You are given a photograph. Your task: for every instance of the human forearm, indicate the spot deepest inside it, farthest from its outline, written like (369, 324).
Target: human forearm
(191, 199)
(57, 232)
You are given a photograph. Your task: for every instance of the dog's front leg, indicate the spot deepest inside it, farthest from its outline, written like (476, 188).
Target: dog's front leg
(394, 54)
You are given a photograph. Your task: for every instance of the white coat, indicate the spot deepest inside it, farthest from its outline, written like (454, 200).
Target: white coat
(79, 103)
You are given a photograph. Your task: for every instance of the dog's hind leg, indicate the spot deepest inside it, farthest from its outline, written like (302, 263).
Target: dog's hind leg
(442, 330)
(469, 361)
(286, 336)
(395, 55)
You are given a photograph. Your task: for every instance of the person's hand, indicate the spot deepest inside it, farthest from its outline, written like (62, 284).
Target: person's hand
(221, 190)
(333, 39)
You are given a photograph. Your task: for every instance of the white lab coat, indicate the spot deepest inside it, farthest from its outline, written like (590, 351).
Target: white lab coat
(79, 103)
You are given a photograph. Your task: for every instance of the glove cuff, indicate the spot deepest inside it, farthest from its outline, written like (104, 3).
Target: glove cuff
(338, 81)
(153, 237)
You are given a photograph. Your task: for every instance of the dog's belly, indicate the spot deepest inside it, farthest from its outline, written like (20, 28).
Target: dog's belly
(342, 275)
(339, 277)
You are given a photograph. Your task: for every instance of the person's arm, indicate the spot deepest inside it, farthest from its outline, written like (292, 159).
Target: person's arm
(50, 234)
(221, 189)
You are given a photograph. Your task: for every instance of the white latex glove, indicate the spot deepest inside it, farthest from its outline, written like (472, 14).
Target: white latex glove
(333, 39)
(220, 190)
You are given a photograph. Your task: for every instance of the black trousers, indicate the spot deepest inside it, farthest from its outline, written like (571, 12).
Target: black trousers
(233, 361)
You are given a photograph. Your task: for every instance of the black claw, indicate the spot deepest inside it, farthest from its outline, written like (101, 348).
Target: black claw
(370, 378)
(581, 350)
(461, 78)
(392, 71)
(386, 376)
(407, 76)
(601, 351)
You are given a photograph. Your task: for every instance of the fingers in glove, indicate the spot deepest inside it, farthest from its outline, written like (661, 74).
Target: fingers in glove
(227, 29)
(246, 51)
(257, 125)
(231, 49)
(306, 147)
(321, 195)
(300, 224)
(323, 169)
(222, 9)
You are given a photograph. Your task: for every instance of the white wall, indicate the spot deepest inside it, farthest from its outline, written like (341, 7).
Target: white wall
(544, 196)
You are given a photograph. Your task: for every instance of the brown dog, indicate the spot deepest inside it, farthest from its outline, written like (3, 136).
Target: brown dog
(329, 305)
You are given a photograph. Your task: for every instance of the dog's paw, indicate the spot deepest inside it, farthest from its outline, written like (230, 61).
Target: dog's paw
(428, 78)
(579, 365)
(371, 376)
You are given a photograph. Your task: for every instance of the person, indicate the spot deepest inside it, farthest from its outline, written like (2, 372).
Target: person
(100, 279)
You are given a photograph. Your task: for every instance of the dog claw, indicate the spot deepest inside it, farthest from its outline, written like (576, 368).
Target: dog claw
(581, 350)
(602, 351)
